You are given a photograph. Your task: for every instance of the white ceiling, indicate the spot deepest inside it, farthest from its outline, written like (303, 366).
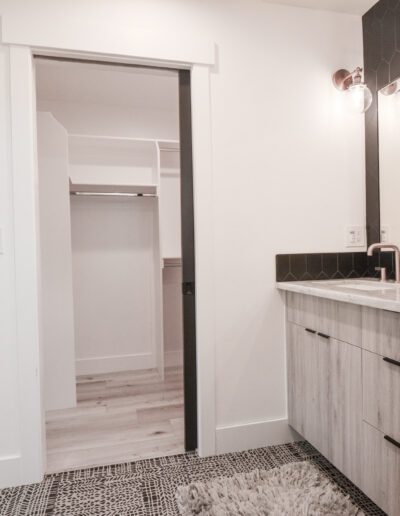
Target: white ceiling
(345, 6)
(103, 84)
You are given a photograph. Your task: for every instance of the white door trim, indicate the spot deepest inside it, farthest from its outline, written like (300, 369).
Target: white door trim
(26, 238)
(125, 42)
(24, 171)
(204, 258)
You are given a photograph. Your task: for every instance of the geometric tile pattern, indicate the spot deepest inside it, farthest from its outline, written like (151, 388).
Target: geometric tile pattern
(381, 36)
(148, 487)
(323, 266)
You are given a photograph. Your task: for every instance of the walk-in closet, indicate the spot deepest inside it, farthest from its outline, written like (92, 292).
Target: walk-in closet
(110, 262)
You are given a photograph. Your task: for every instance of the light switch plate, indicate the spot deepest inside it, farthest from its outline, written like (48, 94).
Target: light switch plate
(355, 236)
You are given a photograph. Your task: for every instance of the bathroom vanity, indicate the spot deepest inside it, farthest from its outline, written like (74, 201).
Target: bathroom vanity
(343, 359)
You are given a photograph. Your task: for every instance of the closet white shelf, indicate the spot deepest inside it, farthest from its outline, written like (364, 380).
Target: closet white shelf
(169, 261)
(112, 188)
(170, 144)
(118, 164)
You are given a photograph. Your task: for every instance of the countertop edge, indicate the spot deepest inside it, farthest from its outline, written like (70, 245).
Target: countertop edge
(344, 297)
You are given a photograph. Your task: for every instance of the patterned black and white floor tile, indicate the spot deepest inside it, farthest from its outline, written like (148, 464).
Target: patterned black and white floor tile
(148, 487)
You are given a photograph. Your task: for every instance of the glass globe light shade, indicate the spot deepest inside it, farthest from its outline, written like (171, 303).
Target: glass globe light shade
(397, 99)
(359, 98)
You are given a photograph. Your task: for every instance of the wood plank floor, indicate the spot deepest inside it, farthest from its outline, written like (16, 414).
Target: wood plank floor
(119, 417)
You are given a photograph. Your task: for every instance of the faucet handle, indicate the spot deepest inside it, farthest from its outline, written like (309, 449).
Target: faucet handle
(383, 272)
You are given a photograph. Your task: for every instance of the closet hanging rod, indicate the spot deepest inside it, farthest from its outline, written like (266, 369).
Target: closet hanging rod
(171, 265)
(112, 194)
(168, 149)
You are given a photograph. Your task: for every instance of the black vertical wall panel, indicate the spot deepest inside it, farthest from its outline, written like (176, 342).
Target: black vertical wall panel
(188, 261)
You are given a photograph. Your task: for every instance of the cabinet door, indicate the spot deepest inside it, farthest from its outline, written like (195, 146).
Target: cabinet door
(345, 408)
(324, 395)
(307, 360)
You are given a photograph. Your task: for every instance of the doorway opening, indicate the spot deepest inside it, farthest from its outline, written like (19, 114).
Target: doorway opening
(117, 262)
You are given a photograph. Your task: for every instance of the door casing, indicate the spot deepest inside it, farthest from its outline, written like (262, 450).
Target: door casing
(30, 461)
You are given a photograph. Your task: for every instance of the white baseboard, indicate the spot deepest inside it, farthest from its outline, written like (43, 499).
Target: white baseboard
(173, 358)
(113, 364)
(254, 435)
(10, 471)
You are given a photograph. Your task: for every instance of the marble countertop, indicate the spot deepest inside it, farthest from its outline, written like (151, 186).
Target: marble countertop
(364, 292)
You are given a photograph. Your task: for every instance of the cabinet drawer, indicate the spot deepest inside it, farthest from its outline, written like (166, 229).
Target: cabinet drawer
(381, 332)
(341, 321)
(381, 470)
(381, 394)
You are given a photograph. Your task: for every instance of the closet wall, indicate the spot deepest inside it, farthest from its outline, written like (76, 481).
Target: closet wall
(113, 256)
(56, 264)
(121, 128)
(172, 306)
(170, 202)
(171, 251)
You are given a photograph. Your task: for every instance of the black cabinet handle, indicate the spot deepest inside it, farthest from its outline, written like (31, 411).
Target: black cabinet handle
(392, 441)
(310, 331)
(323, 335)
(391, 361)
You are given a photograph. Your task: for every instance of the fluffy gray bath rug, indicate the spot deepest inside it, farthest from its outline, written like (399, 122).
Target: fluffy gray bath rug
(295, 489)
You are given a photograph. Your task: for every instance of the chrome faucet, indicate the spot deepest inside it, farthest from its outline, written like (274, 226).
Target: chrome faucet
(396, 250)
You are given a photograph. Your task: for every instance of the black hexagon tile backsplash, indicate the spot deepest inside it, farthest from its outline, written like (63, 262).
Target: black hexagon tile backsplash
(323, 266)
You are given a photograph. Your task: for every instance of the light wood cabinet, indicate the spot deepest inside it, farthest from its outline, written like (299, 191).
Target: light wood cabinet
(381, 388)
(325, 396)
(345, 408)
(380, 470)
(344, 390)
(308, 392)
(381, 426)
(381, 332)
(340, 321)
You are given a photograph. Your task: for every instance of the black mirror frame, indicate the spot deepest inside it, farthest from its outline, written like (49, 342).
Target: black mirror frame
(381, 36)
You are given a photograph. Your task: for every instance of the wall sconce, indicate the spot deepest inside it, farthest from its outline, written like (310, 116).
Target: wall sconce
(392, 92)
(391, 89)
(359, 94)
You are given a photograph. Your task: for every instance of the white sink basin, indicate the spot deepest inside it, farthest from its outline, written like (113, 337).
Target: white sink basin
(359, 284)
(367, 286)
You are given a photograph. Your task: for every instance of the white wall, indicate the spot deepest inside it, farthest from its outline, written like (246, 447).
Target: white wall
(112, 162)
(170, 224)
(288, 165)
(113, 257)
(173, 321)
(56, 264)
(170, 205)
(111, 120)
(289, 176)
